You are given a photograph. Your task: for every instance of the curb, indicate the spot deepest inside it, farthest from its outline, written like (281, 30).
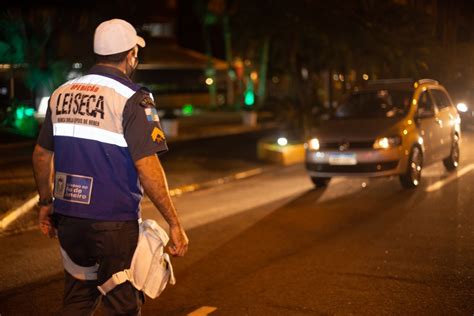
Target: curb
(17, 145)
(212, 183)
(229, 131)
(29, 205)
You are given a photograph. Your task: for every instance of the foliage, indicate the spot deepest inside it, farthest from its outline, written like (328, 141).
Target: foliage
(377, 37)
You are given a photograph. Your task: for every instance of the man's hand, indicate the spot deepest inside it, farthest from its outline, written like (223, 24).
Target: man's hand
(43, 171)
(153, 179)
(45, 222)
(179, 241)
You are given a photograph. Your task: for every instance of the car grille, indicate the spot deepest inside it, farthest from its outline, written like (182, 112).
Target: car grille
(359, 168)
(347, 145)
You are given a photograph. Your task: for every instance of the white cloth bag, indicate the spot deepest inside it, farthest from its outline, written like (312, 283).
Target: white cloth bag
(151, 269)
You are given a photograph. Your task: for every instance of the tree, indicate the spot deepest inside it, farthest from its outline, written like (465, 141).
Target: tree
(308, 37)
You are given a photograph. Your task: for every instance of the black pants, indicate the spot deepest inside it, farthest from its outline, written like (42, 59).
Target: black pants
(111, 245)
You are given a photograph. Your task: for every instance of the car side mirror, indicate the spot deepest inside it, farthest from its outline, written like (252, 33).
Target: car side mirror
(423, 113)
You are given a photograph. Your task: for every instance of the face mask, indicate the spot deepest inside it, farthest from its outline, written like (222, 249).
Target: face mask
(131, 68)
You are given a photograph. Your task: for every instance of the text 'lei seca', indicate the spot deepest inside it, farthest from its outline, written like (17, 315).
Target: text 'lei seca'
(81, 102)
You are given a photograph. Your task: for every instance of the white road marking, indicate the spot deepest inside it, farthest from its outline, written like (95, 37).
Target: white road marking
(439, 184)
(16, 213)
(202, 311)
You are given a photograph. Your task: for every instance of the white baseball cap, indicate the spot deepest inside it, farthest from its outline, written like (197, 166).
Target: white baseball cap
(115, 36)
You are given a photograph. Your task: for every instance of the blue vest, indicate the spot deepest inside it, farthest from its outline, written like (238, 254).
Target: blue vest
(95, 176)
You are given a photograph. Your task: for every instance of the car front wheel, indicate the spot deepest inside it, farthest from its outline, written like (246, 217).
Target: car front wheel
(452, 162)
(320, 182)
(411, 178)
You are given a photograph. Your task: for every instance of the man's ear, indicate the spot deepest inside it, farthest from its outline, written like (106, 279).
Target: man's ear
(130, 54)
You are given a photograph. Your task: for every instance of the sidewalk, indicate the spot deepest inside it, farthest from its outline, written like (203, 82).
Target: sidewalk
(211, 148)
(202, 124)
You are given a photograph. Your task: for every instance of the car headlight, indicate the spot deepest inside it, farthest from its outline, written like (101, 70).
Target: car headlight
(462, 107)
(313, 144)
(387, 142)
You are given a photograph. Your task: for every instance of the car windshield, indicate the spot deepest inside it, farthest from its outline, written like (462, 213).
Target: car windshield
(374, 104)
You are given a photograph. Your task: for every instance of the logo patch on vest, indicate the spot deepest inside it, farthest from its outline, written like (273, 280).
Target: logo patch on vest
(157, 135)
(73, 188)
(152, 115)
(147, 102)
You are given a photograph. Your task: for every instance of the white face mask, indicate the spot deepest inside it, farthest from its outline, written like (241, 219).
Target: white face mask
(130, 69)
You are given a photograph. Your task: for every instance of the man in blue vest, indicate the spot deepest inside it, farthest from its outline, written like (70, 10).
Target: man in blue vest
(96, 152)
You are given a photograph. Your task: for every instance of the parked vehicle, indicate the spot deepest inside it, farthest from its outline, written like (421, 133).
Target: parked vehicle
(389, 127)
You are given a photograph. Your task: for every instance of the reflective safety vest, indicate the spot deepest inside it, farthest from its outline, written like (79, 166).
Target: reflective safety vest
(95, 175)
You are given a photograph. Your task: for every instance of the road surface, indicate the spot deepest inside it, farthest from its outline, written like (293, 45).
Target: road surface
(273, 245)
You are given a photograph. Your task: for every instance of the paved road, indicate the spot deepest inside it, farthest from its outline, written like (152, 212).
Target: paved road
(187, 162)
(271, 245)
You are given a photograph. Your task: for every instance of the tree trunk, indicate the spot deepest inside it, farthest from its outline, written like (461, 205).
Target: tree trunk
(228, 55)
(210, 71)
(262, 86)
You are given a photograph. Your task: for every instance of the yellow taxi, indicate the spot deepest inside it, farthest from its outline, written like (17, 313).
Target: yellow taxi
(387, 128)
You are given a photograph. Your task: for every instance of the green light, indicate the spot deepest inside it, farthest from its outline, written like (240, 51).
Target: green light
(188, 110)
(29, 112)
(24, 121)
(20, 113)
(249, 98)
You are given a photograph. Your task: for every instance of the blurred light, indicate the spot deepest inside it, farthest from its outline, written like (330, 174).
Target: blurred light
(249, 98)
(414, 102)
(341, 77)
(420, 140)
(335, 77)
(282, 141)
(24, 122)
(29, 112)
(232, 74)
(365, 76)
(382, 143)
(415, 85)
(410, 122)
(5, 66)
(462, 107)
(313, 144)
(247, 62)
(254, 75)
(77, 65)
(43, 106)
(73, 74)
(209, 81)
(3, 91)
(387, 142)
(304, 73)
(275, 79)
(364, 185)
(188, 110)
(220, 99)
(20, 113)
(405, 132)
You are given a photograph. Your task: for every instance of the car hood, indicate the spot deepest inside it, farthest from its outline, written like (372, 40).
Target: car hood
(360, 130)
